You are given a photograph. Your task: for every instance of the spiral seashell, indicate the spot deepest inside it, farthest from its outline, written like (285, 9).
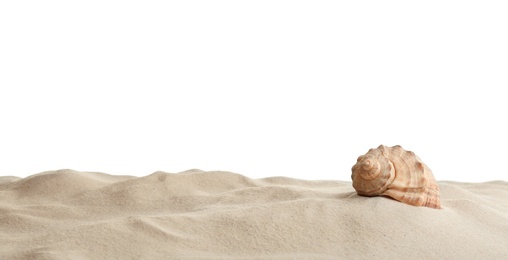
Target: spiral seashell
(396, 173)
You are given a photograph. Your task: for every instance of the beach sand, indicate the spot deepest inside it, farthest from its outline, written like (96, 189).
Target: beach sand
(195, 214)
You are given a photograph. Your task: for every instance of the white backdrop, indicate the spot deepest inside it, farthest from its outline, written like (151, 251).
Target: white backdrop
(261, 88)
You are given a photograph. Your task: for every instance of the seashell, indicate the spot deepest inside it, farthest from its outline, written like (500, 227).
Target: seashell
(396, 173)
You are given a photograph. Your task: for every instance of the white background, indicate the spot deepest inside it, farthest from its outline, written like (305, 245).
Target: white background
(261, 88)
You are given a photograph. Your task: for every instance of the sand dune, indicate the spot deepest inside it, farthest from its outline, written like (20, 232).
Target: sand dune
(69, 214)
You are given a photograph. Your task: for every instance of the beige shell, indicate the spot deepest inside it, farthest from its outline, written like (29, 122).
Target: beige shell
(396, 173)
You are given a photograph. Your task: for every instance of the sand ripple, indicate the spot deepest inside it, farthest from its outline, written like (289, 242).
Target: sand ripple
(69, 214)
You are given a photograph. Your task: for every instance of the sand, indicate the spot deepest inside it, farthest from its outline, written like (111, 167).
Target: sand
(195, 214)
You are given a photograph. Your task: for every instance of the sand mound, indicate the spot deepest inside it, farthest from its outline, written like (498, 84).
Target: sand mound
(195, 214)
